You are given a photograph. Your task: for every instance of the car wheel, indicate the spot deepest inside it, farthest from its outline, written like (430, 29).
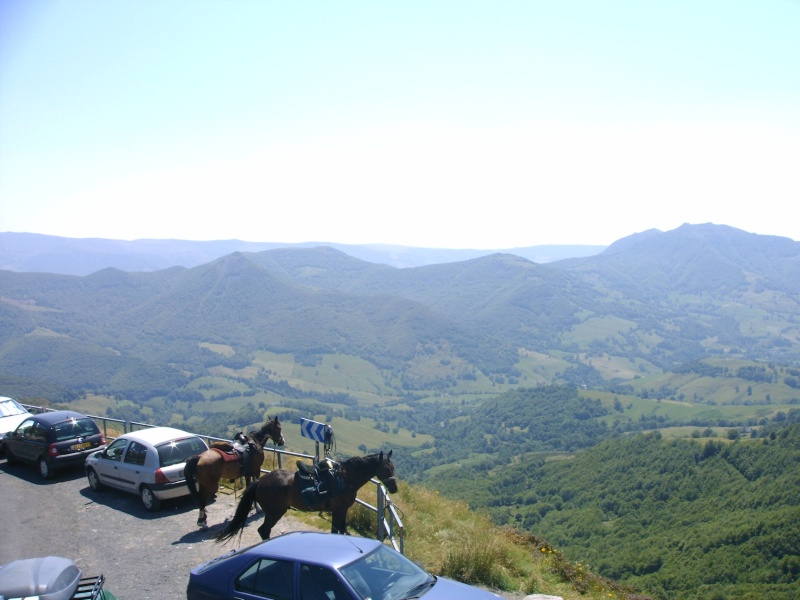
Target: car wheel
(44, 469)
(149, 499)
(94, 480)
(10, 458)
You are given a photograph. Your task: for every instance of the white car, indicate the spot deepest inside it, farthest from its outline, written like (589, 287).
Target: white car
(12, 413)
(148, 463)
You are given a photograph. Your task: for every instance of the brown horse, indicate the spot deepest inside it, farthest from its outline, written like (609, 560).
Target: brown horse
(203, 472)
(279, 490)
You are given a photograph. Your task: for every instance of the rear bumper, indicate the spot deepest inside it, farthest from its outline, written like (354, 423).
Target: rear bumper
(72, 459)
(166, 491)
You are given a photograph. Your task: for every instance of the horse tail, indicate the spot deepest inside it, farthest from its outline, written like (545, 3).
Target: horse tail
(240, 517)
(189, 471)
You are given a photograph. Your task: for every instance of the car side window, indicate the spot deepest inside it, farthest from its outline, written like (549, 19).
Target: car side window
(267, 578)
(320, 583)
(25, 427)
(38, 433)
(114, 450)
(136, 454)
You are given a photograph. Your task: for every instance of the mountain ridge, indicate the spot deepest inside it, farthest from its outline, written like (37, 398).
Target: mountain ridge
(657, 300)
(33, 252)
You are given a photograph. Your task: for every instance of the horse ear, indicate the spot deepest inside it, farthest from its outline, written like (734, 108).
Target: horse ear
(390, 453)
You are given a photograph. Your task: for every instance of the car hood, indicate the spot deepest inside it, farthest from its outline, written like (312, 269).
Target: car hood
(447, 589)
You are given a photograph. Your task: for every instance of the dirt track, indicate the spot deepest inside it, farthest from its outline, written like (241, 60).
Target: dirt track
(143, 555)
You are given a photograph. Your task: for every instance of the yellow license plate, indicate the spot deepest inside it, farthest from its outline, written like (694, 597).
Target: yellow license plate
(80, 446)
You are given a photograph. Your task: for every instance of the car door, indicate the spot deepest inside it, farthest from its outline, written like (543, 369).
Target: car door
(32, 442)
(322, 583)
(132, 468)
(265, 578)
(108, 462)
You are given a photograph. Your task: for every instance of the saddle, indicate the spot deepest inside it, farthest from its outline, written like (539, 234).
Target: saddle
(319, 482)
(241, 449)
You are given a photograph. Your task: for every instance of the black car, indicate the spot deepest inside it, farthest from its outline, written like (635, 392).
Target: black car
(53, 440)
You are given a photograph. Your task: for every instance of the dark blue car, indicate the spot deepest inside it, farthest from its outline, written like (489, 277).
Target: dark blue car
(321, 566)
(53, 440)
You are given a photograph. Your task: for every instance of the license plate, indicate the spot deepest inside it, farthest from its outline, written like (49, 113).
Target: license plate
(82, 446)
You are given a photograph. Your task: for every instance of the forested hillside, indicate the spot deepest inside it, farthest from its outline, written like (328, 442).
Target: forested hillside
(680, 518)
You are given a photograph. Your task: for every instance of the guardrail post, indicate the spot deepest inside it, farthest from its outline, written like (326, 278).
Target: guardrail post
(381, 513)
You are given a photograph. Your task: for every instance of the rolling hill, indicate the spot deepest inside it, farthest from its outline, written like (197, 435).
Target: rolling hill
(654, 301)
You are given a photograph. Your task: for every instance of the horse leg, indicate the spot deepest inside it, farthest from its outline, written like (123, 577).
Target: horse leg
(202, 522)
(248, 480)
(270, 518)
(202, 500)
(339, 520)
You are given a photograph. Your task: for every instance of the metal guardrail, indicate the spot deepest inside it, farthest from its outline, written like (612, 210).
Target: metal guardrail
(389, 523)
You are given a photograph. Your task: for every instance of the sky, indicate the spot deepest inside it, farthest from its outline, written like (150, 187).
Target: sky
(490, 124)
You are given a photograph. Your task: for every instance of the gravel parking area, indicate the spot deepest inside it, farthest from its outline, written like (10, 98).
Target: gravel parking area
(143, 555)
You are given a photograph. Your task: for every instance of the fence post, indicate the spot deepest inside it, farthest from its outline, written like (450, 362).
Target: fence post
(381, 515)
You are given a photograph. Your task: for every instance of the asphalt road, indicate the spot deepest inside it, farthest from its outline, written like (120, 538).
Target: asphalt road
(143, 555)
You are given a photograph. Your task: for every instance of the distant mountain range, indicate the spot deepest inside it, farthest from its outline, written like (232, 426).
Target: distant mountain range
(35, 253)
(647, 303)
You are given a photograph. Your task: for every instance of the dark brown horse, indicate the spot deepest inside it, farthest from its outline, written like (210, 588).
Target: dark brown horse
(279, 490)
(203, 472)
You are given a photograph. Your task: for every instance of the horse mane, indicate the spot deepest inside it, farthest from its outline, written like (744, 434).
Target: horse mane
(360, 461)
(359, 464)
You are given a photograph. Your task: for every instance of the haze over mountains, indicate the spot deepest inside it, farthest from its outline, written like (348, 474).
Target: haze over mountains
(31, 252)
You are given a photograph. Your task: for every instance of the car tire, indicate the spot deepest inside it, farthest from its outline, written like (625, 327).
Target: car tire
(10, 458)
(94, 481)
(149, 499)
(45, 470)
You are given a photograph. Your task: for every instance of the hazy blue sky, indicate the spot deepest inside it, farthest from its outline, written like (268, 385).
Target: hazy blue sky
(458, 124)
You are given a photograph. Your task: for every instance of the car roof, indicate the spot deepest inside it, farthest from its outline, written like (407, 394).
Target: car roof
(156, 435)
(58, 416)
(330, 549)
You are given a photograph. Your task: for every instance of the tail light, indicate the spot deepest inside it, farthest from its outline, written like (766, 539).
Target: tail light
(52, 450)
(102, 440)
(160, 477)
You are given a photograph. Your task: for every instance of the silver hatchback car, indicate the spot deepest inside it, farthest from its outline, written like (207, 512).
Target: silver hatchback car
(148, 463)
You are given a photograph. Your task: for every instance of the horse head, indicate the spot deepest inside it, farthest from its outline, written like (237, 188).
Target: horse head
(385, 472)
(270, 430)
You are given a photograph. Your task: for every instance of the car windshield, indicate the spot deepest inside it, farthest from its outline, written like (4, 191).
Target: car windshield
(10, 407)
(387, 575)
(177, 451)
(73, 428)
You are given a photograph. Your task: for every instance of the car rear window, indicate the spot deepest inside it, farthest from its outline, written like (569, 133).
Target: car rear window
(177, 451)
(73, 428)
(9, 407)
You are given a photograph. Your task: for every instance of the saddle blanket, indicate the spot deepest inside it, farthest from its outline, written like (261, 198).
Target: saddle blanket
(226, 456)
